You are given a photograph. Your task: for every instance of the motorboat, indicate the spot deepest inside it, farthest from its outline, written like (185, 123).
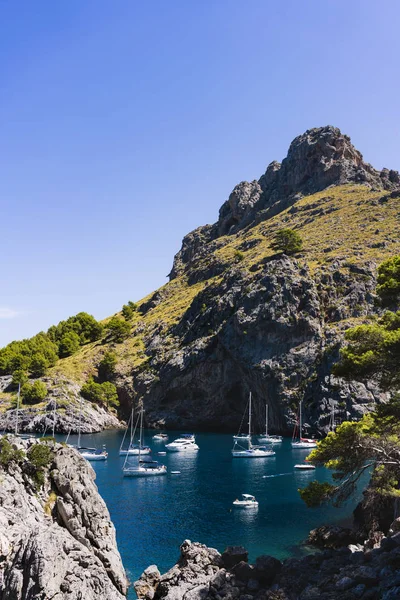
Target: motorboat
(304, 467)
(93, 453)
(145, 469)
(182, 444)
(243, 448)
(135, 450)
(301, 443)
(247, 501)
(160, 437)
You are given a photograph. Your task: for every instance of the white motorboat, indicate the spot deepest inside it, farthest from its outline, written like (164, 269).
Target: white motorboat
(160, 437)
(186, 443)
(93, 453)
(301, 443)
(146, 467)
(247, 501)
(304, 467)
(241, 451)
(269, 439)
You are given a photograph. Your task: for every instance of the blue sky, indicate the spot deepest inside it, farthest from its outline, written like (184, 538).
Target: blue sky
(126, 124)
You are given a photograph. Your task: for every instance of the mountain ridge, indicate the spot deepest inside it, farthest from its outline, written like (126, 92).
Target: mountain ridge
(237, 316)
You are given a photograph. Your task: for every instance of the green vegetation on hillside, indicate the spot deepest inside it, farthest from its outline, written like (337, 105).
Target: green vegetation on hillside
(287, 241)
(373, 351)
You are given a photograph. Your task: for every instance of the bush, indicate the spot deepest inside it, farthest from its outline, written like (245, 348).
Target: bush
(8, 453)
(106, 368)
(84, 325)
(69, 344)
(32, 393)
(19, 378)
(38, 365)
(40, 456)
(239, 256)
(128, 310)
(117, 329)
(388, 287)
(287, 241)
(100, 393)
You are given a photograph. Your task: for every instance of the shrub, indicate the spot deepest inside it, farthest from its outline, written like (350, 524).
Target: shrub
(19, 378)
(100, 393)
(40, 456)
(38, 365)
(32, 393)
(128, 310)
(117, 329)
(106, 368)
(239, 256)
(69, 344)
(388, 287)
(287, 241)
(8, 453)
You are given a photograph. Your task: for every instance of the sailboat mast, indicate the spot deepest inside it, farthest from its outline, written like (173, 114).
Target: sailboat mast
(141, 432)
(80, 421)
(266, 420)
(54, 417)
(301, 424)
(16, 418)
(250, 420)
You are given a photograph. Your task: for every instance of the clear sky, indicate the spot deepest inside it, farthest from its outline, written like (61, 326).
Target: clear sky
(125, 124)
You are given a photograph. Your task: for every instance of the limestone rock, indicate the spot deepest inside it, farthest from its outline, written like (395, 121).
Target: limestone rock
(57, 542)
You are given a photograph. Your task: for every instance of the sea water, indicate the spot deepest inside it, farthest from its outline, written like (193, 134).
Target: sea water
(153, 516)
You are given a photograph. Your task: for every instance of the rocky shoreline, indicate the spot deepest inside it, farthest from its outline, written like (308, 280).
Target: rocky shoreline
(367, 571)
(56, 537)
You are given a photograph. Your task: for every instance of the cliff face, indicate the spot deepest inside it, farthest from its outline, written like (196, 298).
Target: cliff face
(236, 317)
(56, 540)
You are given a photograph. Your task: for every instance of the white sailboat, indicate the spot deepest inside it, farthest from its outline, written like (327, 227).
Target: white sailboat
(92, 454)
(251, 451)
(143, 468)
(269, 439)
(133, 449)
(302, 443)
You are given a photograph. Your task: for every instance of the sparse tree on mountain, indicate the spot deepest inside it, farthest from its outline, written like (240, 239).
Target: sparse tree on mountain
(287, 241)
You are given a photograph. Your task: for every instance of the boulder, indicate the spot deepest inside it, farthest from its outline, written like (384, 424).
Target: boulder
(234, 555)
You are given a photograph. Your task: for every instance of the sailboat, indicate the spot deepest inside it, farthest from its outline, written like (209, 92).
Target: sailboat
(16, 433)
(301, 442)
(133, 449)
(143, 468)
(89, 453)
(251, 451)
(269, 439)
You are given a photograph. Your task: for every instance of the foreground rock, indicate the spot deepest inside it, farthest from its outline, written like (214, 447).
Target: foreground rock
(64, 395)
(348, 573)
(56, 540)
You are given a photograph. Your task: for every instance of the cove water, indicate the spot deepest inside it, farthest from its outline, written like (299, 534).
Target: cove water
(153, 516)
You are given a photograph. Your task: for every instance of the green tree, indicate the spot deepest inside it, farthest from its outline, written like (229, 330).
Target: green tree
(19, 377)
(117, 329)
(287, 241)
(38, 365)
(106, 368)
(389, 280)
(100, 393)
(69, 344)
(128, 310)
(35, 392)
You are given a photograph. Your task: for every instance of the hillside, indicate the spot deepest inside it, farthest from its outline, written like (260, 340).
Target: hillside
(236, 317)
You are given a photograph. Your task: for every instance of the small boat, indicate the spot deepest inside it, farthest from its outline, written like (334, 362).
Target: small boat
(301, 443)
(240, 451)
(175, 472)
(304, 467)
(182, 444)
(133, 449)
(160, 436)
(93, 453)
(161, 453)
(247, 501)
(269, 439)
(146, 467)
(241, 436)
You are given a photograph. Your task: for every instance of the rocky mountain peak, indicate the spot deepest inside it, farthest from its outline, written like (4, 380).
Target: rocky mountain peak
(317, 159)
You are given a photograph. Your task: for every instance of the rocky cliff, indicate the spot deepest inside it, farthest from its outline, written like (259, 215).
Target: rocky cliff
(235, 316)
(368, 571)
(56, 537)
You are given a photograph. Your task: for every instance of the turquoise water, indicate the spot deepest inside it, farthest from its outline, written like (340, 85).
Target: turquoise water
(154, 515)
